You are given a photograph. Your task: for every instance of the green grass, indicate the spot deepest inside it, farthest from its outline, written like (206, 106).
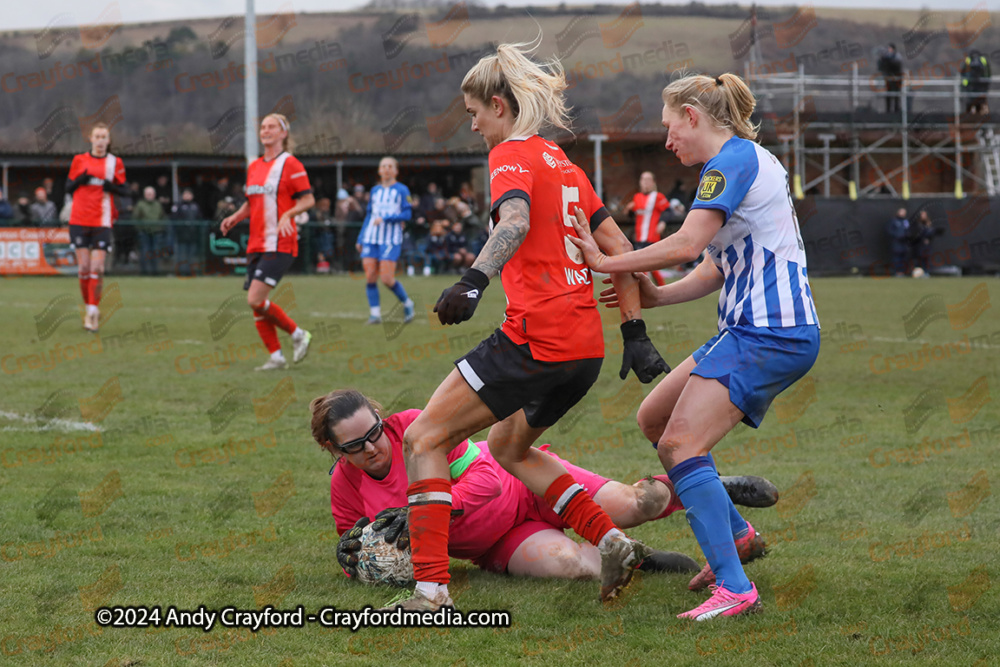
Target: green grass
(834, 592)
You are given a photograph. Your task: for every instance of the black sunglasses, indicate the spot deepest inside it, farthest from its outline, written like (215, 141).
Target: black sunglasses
(355, 446)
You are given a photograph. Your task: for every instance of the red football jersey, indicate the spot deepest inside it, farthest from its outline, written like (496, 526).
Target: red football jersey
(648, 208)
(272, 188)
(92, 206)
(550, 292)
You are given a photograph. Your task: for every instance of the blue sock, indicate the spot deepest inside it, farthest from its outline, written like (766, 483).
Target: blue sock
(736, 521)
(397, 289)
(697, 484)
(372, 290)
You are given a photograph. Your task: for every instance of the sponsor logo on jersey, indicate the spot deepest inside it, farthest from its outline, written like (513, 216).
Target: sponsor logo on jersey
(260, 189)
(508, 167)
(554, 162)
(713, 184)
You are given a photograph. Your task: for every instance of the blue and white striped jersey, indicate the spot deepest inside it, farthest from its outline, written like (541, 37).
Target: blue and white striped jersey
(392, 204)
(759, 248)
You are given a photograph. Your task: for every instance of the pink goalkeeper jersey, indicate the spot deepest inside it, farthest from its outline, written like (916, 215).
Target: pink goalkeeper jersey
(492, 500)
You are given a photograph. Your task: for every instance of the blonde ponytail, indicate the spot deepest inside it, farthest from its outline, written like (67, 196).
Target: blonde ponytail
(534, 94)
(726, 99)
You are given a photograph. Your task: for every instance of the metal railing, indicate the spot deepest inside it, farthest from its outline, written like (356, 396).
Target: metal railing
(930, 116)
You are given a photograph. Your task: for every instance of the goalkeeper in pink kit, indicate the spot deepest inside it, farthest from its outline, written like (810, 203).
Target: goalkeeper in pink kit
(499, 525)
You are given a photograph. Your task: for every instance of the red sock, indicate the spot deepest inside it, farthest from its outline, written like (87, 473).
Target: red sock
(577, 509)
(85, 287)
(429, 517)
(268, 333)
(94, 287)
(279, 317)
(675, 500)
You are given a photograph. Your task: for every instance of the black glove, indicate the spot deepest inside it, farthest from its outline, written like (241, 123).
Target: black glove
(350, 546)
(79, 181)
(458, 302)
(639, 353)
(121, 190)
(392, 522)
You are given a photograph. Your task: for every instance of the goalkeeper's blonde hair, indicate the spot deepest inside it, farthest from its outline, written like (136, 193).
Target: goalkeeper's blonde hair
(534, 94)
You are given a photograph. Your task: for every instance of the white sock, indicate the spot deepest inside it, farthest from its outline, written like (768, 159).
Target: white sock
(277, 356)
(408, 303)
(91, 308)
(429, 588)
(298, 333)
(608, 536)
(375, 311)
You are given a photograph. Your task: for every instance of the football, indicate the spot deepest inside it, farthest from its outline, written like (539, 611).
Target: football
(382, 563)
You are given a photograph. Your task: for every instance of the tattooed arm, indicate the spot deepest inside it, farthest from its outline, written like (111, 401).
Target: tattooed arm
(506, 237)
(458, 302)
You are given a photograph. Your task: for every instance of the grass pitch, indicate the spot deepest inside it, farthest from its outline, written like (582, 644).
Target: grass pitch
(155, 467)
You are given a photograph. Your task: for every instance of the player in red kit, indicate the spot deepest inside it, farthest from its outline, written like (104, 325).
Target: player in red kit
(93, 178)
(648, 205)
(548, 352)
(277, 190)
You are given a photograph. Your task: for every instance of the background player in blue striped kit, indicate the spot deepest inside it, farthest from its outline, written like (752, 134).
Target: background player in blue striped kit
(381, 238)
(768, 330)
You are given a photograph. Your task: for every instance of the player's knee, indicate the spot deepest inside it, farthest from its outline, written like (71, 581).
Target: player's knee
(567, 561)
(650, 498)
(389, 281)
(417, 442)
(651, 423)
(255, 302)
(504, 455)
(674, 441)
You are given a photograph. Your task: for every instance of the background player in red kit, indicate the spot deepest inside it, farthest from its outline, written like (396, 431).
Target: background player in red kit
(548, 353)
(93, 178)
(277, 190)
(648, 205)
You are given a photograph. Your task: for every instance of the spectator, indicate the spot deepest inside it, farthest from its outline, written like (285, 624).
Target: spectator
(187, 233)
(148, 210)
(6, 211)
(126, 236)
(428, 198)
(164, 192)
(225, 208)
(439, 212)
(922, 234)
(677, 192)
(898, 231)
(890, 65)
(976, 82)
(321, 217)
(468, 195)
(42, 212)
(437, 248)
(54, 194)
(22, 210)
(217, 194)
(361, 196)
(458, 248)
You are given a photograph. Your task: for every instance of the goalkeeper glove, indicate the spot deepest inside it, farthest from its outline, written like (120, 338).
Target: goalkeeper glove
(350, 546)
(458, 302)
(639, 353)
